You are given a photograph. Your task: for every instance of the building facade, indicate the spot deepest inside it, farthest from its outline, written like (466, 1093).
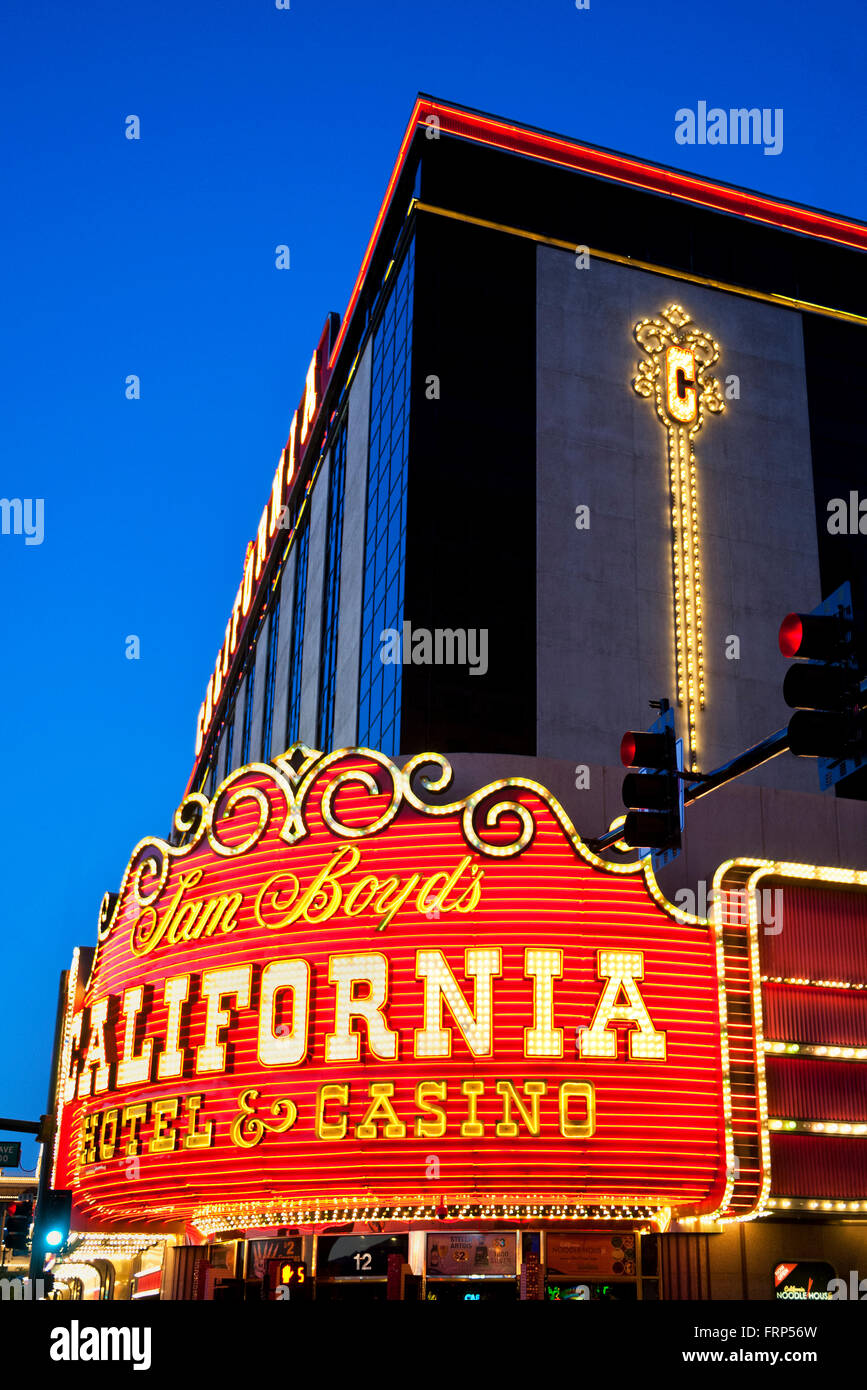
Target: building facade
(587, 431)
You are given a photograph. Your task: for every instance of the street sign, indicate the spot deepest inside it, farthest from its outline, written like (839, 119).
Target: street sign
(10, 1153)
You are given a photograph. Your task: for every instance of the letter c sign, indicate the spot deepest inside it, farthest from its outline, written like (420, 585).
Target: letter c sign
(680, 385)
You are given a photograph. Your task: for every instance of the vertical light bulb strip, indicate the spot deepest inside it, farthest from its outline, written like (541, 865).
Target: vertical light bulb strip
(677, 566)
(673, 374)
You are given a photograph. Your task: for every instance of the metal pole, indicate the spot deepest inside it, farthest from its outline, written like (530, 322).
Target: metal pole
(37, 1257)
(770, 747)
(705, 782)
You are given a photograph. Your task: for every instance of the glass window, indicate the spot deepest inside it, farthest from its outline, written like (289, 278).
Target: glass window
(382, 608)
(230, 740)
(299, 605)
(331, 594)
(248, 706)
(270, 675)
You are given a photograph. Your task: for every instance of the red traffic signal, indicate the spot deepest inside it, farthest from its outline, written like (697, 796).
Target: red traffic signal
(17, 1226)
(823, 686)
(639, 749)
(651, 796)
(791, 634)
(812, 636)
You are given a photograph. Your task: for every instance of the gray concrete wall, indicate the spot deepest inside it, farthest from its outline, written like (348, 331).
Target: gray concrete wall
(743, 1257)
(284, 645)
(307, 730)
(352, 557)
(605, 605)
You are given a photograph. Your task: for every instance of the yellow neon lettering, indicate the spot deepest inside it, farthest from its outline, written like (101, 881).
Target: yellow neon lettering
(441, 987)
(331, 1129)
(543, 1039)
(165, 1139)
(680, 363)
(620, 970)
(507, 1128)
(99, 1053)
(344, 1044)
(171, 1059)
(133, 1070)
(216, 984)
(472, 1127)
(379, 1111)
(290, 1047)
(434, 1128)
(577, 1129)
(196, 1138)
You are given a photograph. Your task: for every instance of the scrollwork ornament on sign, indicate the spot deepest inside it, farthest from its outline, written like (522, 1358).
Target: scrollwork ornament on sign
(249, 1128)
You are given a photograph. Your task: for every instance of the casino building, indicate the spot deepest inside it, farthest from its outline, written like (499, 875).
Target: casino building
(376, 1018)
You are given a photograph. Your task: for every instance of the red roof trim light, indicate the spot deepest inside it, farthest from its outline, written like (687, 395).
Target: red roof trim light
(589, 159)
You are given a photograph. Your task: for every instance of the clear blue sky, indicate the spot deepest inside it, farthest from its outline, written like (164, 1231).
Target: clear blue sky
(259, 126)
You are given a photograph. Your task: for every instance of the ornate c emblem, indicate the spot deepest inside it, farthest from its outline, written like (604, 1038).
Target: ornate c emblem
(674, 376)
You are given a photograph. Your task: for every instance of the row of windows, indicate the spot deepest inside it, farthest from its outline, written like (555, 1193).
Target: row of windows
(385, 540)
(299, 607)
(331, 595)
(270, 676)
(384, 559)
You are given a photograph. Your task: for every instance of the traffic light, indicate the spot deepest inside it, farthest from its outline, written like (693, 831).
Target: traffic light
(295, 1279)
(652, 796)
(17, 1226)
(287, 1279)
(53, 1219)
(824, 690)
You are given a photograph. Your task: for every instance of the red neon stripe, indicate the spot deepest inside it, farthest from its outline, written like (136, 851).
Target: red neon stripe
(571, 154)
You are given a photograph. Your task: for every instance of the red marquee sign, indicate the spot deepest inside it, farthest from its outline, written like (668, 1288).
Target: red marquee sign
(342, 996)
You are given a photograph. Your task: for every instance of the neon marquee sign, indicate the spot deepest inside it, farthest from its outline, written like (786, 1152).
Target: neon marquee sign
(341, 994)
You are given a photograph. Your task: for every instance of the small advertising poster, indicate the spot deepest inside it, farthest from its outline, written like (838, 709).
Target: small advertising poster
(457, 1254)
(259, 1252)
(592, 1253)
(806, 1279)
(531, 1278)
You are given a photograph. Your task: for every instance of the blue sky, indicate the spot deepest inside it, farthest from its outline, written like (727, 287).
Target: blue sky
(155, 257)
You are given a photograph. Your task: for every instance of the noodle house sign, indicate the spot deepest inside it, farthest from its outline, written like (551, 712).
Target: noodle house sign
(343, 994)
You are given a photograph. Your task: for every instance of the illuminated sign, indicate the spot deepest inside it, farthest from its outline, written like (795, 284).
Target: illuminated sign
(674, 376)
(277, 517)
(338, 1000)
(600, 1253)
(471, 1254)
(804, 1280)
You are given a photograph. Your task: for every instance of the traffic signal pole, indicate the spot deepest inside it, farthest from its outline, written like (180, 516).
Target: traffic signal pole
(770, 747)
(700, 784)
(37, 1254)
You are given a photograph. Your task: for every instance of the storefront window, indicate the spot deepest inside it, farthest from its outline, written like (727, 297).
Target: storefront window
(356, 1267)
